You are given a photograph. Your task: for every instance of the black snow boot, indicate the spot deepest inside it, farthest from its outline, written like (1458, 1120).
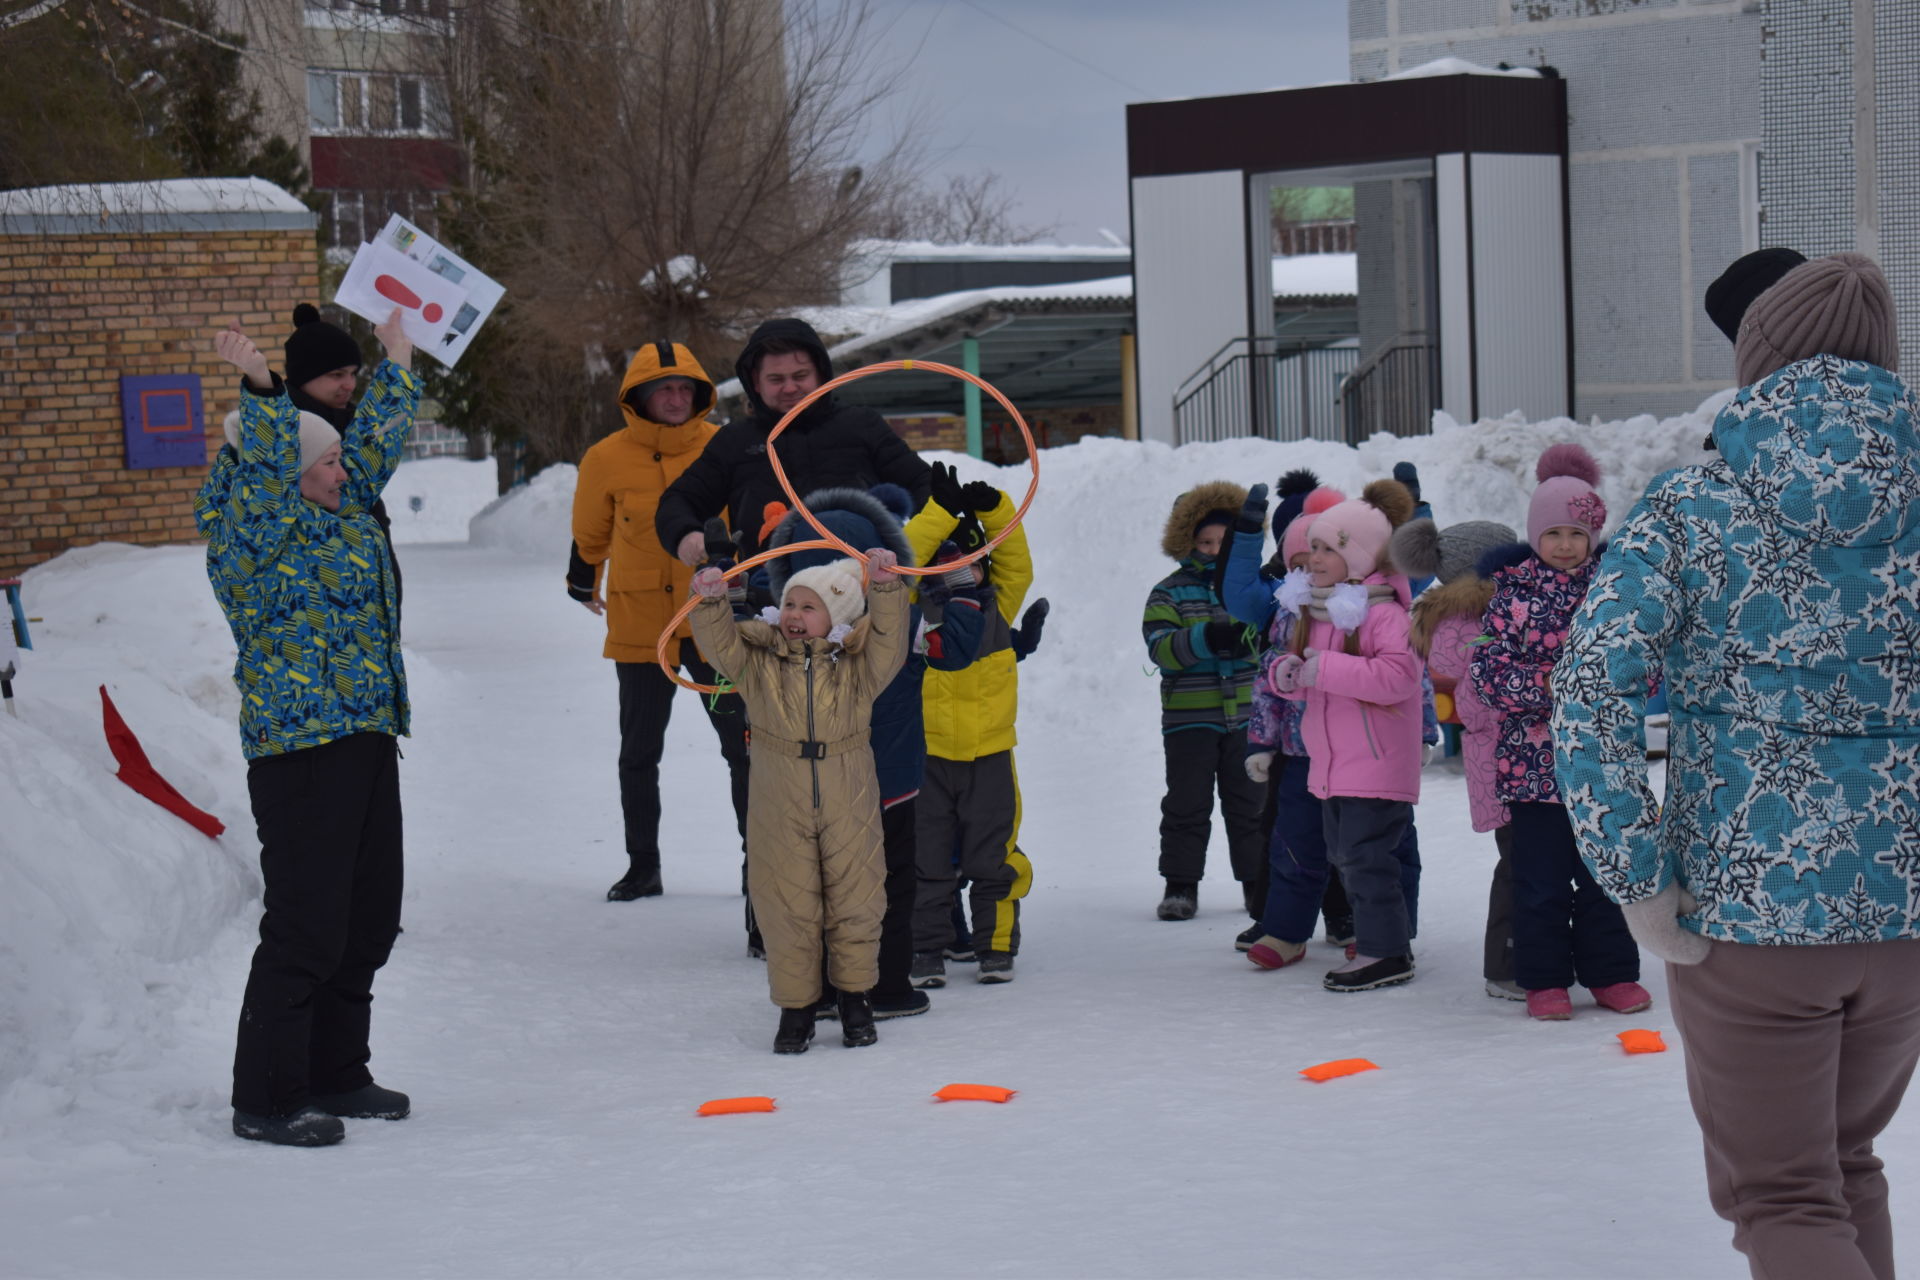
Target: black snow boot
(995, 966)
(928, 969)
(796, 1031)
(307, 1127)
(1388, 972)
(1181, 901)
(639, 882)
(368, 1102)
(856, 1020)
(904, 1005)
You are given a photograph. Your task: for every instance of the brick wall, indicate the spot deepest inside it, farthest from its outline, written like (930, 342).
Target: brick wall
(78, 312)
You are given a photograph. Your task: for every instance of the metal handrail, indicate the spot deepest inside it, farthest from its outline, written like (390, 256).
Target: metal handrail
(1266, 389)
(1392, 389)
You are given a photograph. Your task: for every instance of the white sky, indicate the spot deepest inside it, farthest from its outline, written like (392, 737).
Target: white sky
(993, 97)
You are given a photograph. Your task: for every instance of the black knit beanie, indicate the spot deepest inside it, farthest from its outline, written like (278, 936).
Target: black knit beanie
(316, 347)
(1744, 280)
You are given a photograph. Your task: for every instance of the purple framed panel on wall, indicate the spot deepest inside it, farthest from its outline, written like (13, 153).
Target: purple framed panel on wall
(161, 413)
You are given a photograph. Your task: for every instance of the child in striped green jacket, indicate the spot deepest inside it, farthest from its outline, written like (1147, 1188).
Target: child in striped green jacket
(1207, 665)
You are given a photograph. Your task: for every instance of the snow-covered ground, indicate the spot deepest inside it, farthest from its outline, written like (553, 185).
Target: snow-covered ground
(557, 1045)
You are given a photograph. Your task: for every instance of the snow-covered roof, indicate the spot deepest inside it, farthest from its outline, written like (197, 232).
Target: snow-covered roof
(1437, 67)
(172, 204)
(1302, 276)
(928, 251)
(1460, 67)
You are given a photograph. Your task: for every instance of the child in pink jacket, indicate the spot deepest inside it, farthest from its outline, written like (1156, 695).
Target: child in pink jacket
(1353, 666)
(1446, 631)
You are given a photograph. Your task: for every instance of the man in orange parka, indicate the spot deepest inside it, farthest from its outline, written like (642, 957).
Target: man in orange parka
(664, 398)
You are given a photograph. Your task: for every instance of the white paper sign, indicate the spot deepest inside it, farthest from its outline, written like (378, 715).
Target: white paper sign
(381, 278)
(444, 299)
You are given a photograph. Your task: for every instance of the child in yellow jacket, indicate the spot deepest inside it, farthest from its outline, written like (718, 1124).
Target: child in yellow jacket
(970, 797)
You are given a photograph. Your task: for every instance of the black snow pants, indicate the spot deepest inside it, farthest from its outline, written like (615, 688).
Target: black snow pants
(330, 853)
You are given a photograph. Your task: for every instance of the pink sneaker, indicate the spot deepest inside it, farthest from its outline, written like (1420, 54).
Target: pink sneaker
(1549, 1004)
(1622, 997)
(1353, 949)
(1275, 953)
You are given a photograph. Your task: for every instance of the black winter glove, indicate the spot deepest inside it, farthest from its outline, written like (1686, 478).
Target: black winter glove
(981, 496)
(1229, 640)
(580, 575)
(722, 543)
(1253, 512)
(1026, 637)
(947, 491)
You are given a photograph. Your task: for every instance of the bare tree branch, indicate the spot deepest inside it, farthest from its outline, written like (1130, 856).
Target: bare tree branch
(665, 168)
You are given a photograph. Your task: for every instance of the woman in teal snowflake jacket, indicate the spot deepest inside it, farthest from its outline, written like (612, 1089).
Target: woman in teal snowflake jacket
(1778, 587)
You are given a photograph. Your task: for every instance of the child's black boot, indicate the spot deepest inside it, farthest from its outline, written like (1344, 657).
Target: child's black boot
(856, 1020)
(796, 1031)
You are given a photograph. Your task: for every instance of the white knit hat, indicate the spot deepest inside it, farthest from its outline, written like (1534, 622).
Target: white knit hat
(838, 586)
(316, 436)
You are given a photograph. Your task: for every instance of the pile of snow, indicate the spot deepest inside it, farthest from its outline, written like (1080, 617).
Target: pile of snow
(532, 519)
(449, 492)
(107, 902)
(1110, 496)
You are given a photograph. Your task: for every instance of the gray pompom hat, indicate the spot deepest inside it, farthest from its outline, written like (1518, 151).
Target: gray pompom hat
(1421, 549)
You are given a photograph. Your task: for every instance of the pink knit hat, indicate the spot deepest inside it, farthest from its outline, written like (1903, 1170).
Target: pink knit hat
(1566, 496)
(1293, 539)
(1359, 529)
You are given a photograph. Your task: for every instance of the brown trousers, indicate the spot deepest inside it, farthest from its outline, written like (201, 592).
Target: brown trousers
(1796, 1059)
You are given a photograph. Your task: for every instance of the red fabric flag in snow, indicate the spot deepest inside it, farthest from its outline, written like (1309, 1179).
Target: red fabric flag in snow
(139, 774)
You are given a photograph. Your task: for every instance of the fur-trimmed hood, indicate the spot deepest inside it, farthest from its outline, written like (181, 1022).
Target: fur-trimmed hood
(850, 513)
(1465, 597)
(1217, 495)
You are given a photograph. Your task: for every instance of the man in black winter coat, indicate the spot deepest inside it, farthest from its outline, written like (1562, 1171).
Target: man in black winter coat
(831, 445)
(322, 370)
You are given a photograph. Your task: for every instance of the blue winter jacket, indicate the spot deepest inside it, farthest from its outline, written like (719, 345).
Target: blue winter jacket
(309, 593)
(948, 643)
(1779, 585)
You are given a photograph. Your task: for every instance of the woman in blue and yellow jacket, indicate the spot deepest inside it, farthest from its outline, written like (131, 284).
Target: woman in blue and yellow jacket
(305, 579)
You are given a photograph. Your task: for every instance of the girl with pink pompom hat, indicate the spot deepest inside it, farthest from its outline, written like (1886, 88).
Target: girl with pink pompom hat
(1565, 929)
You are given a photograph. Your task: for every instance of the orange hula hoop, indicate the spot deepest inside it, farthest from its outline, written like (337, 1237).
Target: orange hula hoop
(828, 541)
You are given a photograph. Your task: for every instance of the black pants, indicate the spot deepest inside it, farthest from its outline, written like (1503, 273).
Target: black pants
(330, 853)
(1497, 956)
(1564, 928)
(971, 807)
(1200, 761)
(646, 703)
(896, 927)
(1367, 839)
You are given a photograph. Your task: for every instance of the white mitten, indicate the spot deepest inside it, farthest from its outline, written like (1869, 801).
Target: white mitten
(1655, 925)
(1259, 765)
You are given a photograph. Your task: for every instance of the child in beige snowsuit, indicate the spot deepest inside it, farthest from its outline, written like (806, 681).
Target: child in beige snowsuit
(808, 674)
